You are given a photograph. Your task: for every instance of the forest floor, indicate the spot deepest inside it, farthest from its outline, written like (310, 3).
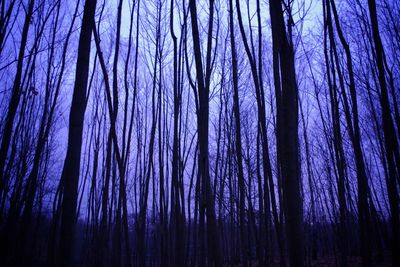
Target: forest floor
(353, 262)
(331, 262)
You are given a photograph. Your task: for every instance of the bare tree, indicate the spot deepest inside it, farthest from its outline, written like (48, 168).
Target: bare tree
(70, 173)
(203, 87)
(391, 142)
(288, 140)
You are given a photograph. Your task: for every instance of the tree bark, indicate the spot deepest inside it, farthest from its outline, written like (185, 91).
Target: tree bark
(391, 143)
(288, 143)
(70, 173)
(203, 123)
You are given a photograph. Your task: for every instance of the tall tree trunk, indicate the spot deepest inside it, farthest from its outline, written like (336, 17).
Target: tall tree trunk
(238, 141)
(288, 143)
(70, 173)
(177, 211)
(339, 158)
(391, 143)
(203, 84)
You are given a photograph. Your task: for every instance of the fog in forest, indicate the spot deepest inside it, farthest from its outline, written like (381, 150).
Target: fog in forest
(209, 133)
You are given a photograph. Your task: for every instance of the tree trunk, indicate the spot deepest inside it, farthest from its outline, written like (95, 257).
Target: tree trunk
(288, 143)
(391, 143)
(203, 123)
(70, 173)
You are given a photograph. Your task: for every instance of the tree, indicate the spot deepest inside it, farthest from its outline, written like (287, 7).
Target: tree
(177, 208)
(15, 96)
(288, 140)
(70, 174)
(203, 87)
(238, 138)
(391, 142)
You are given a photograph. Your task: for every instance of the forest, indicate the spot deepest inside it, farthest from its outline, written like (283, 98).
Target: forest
(210, 133)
